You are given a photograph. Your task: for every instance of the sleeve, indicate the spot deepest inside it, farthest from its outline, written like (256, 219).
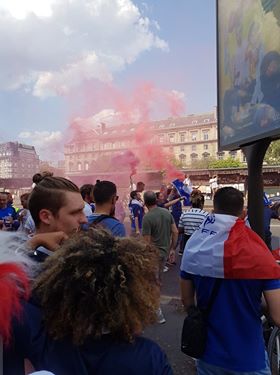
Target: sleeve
(185, 275)
(119, 230)
(272, 284)
(161, 366)
(181, 225)
(15, 352)
(146, 227)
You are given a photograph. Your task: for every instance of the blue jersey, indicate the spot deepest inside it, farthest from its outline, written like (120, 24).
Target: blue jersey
(235, 337)
(136, 210)
(8, 211)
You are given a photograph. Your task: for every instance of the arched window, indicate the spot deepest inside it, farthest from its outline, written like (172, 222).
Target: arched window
(79, 165)
(86, 166)
(182, 158)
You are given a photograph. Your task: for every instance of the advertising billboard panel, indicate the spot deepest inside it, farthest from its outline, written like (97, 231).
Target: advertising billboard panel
(248, 36)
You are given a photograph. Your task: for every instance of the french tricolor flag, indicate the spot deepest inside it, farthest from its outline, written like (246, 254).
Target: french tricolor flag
(224, 247)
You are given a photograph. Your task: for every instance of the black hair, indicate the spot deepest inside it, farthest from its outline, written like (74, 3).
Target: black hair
(228, 201)
(86, 189)
(133, 194)
(103, 191)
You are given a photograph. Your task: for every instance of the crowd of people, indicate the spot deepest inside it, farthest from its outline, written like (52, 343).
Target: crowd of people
(94, 281)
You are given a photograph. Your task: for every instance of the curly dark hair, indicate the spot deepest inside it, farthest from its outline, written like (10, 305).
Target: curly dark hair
(97, 282)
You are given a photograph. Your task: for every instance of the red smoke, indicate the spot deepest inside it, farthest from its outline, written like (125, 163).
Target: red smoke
(139, 107)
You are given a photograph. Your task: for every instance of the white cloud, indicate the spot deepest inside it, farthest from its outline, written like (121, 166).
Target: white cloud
(21, 8)
(48, 145)
(60, 44)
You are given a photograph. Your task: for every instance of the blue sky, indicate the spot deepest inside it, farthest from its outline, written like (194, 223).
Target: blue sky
(50, 55)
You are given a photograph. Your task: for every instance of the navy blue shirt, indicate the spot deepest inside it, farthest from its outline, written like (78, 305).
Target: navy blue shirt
(103, 356)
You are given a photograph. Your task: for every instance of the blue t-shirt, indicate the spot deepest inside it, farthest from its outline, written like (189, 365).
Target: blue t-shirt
(136, 210)
(113, 225)
(8, 211)
(104, 356)
(235, 337)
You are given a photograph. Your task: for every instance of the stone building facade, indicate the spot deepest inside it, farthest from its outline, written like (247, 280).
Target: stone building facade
(18, 161)
(188, 138)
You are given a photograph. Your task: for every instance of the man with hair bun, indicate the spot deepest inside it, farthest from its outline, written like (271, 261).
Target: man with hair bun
(56, 206)
(105, 198)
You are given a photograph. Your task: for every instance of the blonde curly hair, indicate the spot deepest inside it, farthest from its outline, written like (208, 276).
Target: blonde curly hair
(97, 283)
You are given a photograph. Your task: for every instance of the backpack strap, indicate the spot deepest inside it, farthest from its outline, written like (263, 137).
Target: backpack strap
(102, 217)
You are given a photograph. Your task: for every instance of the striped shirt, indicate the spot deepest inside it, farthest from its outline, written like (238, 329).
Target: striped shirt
(191, 220)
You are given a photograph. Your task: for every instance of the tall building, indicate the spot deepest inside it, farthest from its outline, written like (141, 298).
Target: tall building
(188, 138)
(18, 160)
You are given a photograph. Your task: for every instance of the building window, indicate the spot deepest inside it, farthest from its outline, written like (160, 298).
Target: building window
(182, 158)
(205, 135)
(86, 166)
(182, 148)
(171, 138)
(193, 136)
(79, 166)
(205, 155)
(194, 156)
(193, 147)
(233, 154)
(220, 155)
(161, 138)
(194, 122)
(205, 147)
(171, 149)
(182, 137)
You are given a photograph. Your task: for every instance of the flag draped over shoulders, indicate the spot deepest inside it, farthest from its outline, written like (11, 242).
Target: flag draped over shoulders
(224, 247)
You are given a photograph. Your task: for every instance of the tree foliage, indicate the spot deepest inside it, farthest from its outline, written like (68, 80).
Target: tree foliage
(272, 156)
(225, 163)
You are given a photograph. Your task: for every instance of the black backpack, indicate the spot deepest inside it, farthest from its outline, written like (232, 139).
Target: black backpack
(194, 332)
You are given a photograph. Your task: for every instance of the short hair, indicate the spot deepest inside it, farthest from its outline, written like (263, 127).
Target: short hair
(103, 191)
(112, 281)
(139, 185)
(49, 193)
(228, 201)
(197, 199)
(150, 198)
(133, 194)
(24, 196)
(86, 189)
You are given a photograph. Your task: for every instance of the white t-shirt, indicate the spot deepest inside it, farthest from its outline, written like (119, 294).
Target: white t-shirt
(87, 209)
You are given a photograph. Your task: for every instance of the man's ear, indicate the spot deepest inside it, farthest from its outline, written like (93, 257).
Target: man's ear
(45, 216)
